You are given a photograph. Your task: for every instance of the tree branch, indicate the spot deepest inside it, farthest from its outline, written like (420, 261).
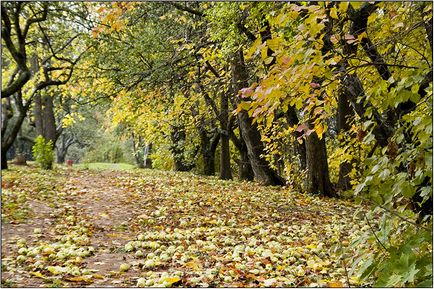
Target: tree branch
(187, 9)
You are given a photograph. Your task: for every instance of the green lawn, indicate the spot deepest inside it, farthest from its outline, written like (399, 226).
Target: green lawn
(104, 166)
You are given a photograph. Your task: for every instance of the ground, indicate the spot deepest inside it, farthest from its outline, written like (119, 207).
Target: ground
(112, 228)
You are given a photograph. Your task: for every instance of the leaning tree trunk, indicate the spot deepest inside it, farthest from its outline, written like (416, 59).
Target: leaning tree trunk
(250, 133)
(9, 135)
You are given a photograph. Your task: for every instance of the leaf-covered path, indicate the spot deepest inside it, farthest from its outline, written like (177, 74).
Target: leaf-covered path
(154, 228)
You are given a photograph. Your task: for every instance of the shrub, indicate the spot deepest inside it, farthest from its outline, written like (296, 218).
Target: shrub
(43, 152)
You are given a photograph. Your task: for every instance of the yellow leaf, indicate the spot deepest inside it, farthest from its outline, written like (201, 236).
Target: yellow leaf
(98, 276)
(171, 280)
(343, 6)
(268, 60)
(194, 264)
(264, 52)
(334, 13)
(274, 43)
(37, 274)
(79, 279)
(254, 47)
(311, 246)
(336, 284)
(319, 130)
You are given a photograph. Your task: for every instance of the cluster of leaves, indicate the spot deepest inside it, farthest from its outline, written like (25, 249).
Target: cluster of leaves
(51, 254)
(205, 232)
(186, 231)
(43, 152)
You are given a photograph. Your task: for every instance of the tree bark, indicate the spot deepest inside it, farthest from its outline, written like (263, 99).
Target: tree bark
(293, 120)
(244, 166)
(49, 120)
(225, 154)
(209, 147)
(4, 161)
(147, 161)
(345, 114)
(261, 169)
(318, 180)
(9, 137)
(177, 148)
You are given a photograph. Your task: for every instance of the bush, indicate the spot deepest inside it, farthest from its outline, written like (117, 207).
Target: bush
(43, 153)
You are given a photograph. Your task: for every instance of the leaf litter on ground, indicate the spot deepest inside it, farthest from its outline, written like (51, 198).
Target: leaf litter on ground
(165, 229)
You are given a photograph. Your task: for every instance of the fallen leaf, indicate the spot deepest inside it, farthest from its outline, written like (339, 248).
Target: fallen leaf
(336, 284)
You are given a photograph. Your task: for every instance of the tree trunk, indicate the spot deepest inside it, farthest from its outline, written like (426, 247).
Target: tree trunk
(9, 137)
(45, 120)
(49, 120)
(60, 157)
(225, 157)
(147, 162)
(345, 113)
(245, 168)
(208, 163)
(38, 114)
(177, 148)
(137, 151)
(4, 162)
(261, 169)
(292, 118)
(225, 154)
(246, 171)
(318, 180)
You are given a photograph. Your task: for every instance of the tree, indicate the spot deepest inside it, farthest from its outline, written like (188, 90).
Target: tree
(47, 65)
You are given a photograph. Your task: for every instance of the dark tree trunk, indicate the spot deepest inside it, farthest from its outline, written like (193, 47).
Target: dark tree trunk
(244, 166)
(49, 120)
(177, 148)
(147, 162)
(137, 151)
(261, 169)
(63, 144)
(225, 154)
(318, 180)
(4, 162)
(45, 120)
(246, 170)
(300, 147)
(10, 135)
(208, 163)
(208, 153)
(61, 157)
(345, 113)
(225, 157)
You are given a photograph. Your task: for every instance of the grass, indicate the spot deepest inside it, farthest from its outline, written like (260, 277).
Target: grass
(104, 166)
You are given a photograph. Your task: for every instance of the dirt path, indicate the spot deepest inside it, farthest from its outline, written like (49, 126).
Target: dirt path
(76, 229)
(95, 198)
(109, 209)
